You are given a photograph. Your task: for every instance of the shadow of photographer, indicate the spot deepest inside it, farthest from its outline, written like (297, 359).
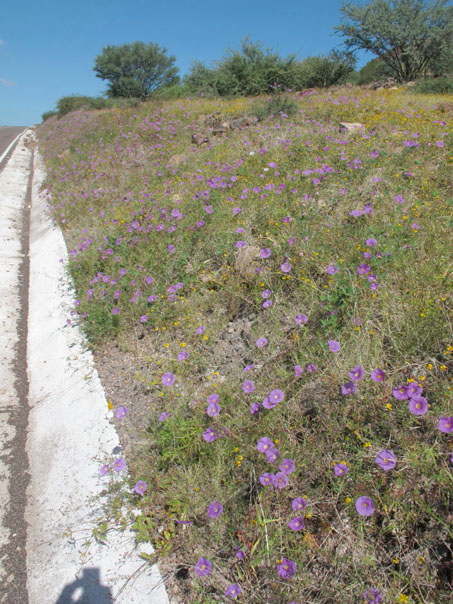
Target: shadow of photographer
(86, 590)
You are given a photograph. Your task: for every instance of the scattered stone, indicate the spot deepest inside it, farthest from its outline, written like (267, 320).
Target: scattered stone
(199, 139)
(350, 126)
(239, 123)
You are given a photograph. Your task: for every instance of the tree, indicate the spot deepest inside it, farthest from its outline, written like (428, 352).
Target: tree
(323, 71)
(135, 70)
(407, 35)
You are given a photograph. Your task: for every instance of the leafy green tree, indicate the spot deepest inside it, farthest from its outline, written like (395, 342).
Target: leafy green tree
(135, 70)
(251, 70)
(374, 70)
(323, 71)
(407, 35)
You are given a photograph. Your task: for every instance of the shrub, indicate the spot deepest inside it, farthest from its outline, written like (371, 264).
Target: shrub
(374, 70)
(47, 114)
(434, 86)
(277, 105)
(323, 71)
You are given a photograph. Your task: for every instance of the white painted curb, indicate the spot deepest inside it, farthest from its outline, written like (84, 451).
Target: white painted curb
(70, 437)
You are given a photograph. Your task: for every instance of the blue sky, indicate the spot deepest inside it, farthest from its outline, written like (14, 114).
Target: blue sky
(48, 47)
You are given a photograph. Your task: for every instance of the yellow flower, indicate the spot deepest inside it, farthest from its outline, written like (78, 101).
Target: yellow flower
(347, 500)
(443, 367)
(389, 406)
(403, 598)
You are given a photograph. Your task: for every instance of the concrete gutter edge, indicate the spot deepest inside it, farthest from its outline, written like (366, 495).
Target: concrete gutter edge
(70, 436)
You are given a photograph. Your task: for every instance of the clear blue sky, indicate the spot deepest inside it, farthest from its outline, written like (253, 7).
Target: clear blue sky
(48, 47)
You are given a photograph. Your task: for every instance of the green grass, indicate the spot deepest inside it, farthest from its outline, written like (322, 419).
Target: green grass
(115, 176)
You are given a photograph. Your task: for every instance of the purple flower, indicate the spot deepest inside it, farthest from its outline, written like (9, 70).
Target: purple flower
(240, 244)
(163, 416)
(121, 412)
(213, 398)
(210, 434)
(261, 342)
(332, 269)
(371, 242)
(445, 424)
(119, 464)
(298, 370)
(266, 479)
(340, 469)
(418, 405)
(296, 524)
(378, 375)
(399, 199)
(265, 252)
(215, 509)
(301, 319)
(266, 293)
(334, 346)
(386, 459)
(357, 373)
(276, 396)
(363, 269)
(254, 408)
(236, 211)
(286, 568)
(286, 267)
(280, 480)
(104, 469)
(248, 386)
(364, 506)
(241, 552)
(400, 393)
(233, 590)
(199, 330)
(213, 409)
(140, 487)
(372, 596)
(182, 356)
(311, 368)
(168, 379)
(349, 388)
(267, 303)
(298, 503)
(413, 389)
(272, 455)
(287, 466)
(203, 567)
(264, 444)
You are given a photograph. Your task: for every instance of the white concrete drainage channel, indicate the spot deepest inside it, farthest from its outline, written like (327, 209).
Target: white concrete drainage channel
(69, 438)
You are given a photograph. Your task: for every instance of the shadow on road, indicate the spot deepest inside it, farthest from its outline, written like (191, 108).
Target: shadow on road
(86, 590)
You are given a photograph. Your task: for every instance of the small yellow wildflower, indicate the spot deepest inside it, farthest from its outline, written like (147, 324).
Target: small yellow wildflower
(443, 367)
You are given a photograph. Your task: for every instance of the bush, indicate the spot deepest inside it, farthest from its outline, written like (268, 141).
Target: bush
(374, 70)
(75, 101)
(434, 86)
(47, 114)
(252, 70)
(323, 71)
(277, 105)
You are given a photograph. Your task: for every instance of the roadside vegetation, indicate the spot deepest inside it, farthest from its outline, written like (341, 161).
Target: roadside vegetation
(273, 290)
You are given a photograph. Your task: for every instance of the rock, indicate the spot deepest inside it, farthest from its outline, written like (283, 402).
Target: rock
(410, 83)
(199, 139)
(247, 261)
(350, 126)
(239, 123)
(219, 131)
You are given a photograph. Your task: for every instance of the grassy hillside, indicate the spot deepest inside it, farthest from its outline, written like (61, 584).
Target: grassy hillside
(270, 311)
